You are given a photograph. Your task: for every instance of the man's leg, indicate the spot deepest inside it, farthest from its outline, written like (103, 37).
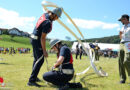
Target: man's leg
(96, 56)
(80, 56)
(122, 67)
(127, 64)
(35, 59)
(56, 78)
(38, 61)
(76, 55)
(37, 66)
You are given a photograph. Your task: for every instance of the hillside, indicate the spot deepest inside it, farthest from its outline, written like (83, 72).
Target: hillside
(111, 39)
(16, 41)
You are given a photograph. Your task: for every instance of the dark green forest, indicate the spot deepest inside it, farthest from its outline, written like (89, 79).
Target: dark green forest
(111, 39)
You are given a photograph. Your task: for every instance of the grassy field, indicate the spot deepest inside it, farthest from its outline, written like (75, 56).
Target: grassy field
(16, 42)
(16, 69)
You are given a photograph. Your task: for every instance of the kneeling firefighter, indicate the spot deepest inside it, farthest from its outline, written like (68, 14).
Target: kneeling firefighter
(65, 65)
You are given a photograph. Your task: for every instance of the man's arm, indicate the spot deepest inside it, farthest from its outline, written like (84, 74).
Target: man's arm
(43, 43)
(59, 61)
(120, 34)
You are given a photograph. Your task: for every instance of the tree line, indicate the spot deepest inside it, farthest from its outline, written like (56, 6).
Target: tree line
(111, 39)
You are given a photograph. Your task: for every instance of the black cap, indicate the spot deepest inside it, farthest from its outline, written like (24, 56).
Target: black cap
(124, 16)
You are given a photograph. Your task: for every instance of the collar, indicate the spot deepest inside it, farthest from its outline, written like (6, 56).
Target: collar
(128, 25)
(47, 16)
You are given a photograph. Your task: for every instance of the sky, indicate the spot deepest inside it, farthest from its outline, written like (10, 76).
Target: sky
(94, 18)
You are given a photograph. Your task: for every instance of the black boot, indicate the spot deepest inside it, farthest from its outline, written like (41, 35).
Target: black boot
(33, 84)
(38, 80)
(65, 87)
(75, 85)
(122, 81)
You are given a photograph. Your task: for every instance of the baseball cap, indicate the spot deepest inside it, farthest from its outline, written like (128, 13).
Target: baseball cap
(124, 16)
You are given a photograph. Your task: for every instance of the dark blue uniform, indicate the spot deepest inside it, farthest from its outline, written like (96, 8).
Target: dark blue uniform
(60, 78)
(44, 25)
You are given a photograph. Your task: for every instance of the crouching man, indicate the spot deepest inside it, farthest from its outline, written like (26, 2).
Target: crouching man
(64, 63)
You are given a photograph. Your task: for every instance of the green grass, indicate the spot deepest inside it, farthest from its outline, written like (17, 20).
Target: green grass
(16, 71)
(17, 41)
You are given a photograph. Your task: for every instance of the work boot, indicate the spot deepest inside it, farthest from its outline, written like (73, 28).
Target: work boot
(66, 87)
(122, 82)
(75, 85)
(33, 84)
(38, 80)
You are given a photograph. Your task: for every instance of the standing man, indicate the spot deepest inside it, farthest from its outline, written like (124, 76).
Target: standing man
(81, 52)
(77, 51)
(124, 56)
(38, 40)
(96, 50)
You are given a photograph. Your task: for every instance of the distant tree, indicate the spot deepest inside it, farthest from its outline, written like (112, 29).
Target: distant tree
(12, 36)
(5, 32)
(110, 39)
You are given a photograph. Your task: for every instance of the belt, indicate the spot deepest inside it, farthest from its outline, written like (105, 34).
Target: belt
(125, 42)
(33, 36)
(68, 71)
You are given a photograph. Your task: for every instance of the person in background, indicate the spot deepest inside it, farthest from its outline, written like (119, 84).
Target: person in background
(124, 53)
(77, 51)
(81, 52)
(96, 50)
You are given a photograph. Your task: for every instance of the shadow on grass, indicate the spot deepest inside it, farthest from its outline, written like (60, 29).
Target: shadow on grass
(86, 84)
(57, 88)
(78, 89)
(6, 64)
(42, 86)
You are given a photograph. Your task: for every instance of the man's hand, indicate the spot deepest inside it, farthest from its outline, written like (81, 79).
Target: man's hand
(45, 54)
(59, 61)
(56, 66)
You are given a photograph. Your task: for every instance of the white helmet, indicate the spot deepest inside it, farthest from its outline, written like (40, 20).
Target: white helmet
(57, 11)
(53, 42)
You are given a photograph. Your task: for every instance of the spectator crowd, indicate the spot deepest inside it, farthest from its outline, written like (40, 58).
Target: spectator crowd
(12, 50)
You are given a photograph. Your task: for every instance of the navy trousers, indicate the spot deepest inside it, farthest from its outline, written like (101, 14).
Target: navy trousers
(38, 60)
(57, 78)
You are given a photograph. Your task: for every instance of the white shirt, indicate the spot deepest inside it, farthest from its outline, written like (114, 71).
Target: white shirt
(125, 33)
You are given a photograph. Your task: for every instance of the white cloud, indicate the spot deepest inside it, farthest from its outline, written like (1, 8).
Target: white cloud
(10, 19)
(92, 24)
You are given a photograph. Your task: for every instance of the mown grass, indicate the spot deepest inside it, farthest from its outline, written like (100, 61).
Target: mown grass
(16, 69)
(23, 42)
(18, 39)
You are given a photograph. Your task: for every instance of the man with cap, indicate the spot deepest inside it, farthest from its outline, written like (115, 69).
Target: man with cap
(64, 63)
(124, 54)
(38, 41)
